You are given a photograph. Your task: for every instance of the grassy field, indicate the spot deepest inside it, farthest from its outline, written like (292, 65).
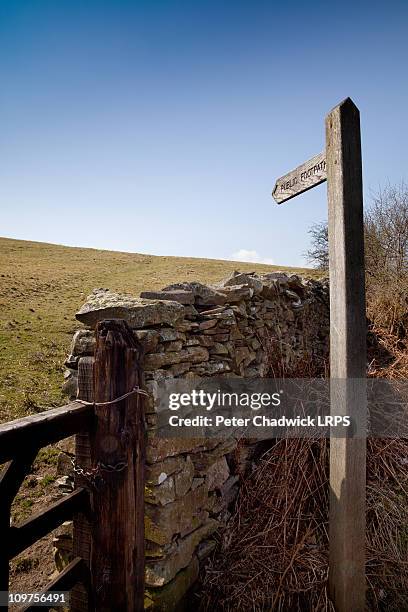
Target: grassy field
(41, 288)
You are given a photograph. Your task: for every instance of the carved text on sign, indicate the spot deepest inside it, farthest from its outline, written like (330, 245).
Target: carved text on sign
(306, 176)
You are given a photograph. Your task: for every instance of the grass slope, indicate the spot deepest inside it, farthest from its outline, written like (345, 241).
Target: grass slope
(43, 285)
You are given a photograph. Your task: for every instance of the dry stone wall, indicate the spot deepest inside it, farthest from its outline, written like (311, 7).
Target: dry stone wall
(236, 328)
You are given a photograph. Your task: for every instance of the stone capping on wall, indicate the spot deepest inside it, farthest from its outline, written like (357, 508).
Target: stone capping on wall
(191, 329)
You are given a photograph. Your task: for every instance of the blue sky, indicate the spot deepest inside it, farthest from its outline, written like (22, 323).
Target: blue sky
(160, 127)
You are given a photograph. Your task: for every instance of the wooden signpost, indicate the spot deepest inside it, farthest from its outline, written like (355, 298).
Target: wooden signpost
(304, 177)
(340, 164)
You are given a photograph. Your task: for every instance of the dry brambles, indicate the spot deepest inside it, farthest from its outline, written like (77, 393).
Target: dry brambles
(274, 553)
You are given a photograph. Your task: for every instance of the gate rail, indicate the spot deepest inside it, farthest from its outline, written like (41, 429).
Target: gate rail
(108, 509)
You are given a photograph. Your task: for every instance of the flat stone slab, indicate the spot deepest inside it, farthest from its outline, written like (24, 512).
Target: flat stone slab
(83, 343)
(103, 304)
(166, 598)
(203, 294)
(191, 354)
(181, 296)
(159, 573)
(179, 517)
(159, 449)
(240, 278)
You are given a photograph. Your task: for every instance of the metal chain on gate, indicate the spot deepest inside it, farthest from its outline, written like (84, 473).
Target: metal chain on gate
(95, 473)
(89, 475)
(94, 476)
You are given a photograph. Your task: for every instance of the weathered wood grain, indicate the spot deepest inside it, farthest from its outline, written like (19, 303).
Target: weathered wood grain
(36, 527)
(76, 571)
(347, 356)
(14, 473)
(301, 179)
(43, 429)
(11, 479)
(19, 444)
(117, 552)
(79, 601)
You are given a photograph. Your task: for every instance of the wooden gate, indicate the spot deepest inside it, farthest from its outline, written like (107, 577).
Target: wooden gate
(107, 504)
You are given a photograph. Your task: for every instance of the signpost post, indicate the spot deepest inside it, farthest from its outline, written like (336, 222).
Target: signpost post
(340, 165)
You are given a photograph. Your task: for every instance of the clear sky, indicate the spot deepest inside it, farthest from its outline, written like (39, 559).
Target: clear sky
(160, 127)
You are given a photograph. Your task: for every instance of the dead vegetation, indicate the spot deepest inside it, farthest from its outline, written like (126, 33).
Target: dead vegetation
(274, 552)
(273, 555)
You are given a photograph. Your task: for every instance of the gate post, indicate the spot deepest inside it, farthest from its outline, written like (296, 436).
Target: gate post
(117, 449)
